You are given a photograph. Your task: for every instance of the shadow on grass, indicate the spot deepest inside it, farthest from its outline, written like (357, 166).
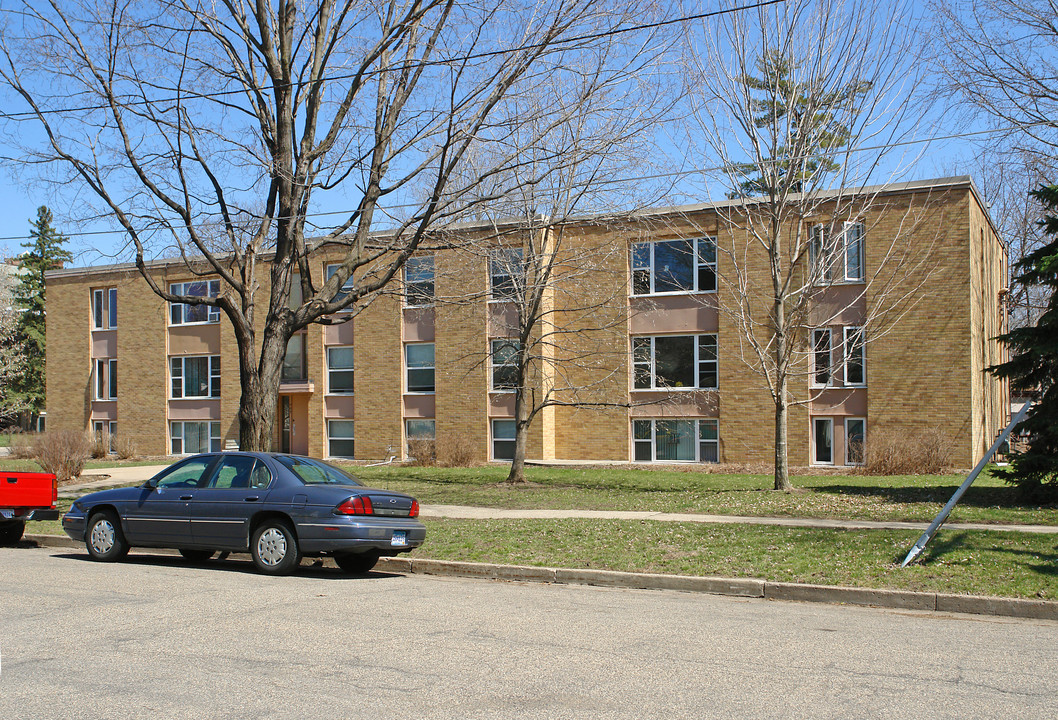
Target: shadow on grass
(939, 549)
(975, 496)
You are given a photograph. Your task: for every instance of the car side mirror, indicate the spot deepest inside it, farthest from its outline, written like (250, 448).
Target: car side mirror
(149, 485)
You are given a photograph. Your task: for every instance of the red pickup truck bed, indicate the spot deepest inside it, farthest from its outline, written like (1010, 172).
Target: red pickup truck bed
(25, 496)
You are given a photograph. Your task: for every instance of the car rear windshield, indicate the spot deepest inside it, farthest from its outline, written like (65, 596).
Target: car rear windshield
(314, 472)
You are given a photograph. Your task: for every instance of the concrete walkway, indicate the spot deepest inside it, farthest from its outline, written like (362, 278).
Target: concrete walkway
(93, 480)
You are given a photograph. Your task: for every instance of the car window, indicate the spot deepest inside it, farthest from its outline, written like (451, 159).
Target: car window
(240, 471)
(315, 472)
(185, 474)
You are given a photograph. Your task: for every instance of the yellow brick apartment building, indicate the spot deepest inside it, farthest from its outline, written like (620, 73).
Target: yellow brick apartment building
(679, 383)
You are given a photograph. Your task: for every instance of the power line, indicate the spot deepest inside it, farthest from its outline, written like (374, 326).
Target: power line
(400, 68)
(639, 178)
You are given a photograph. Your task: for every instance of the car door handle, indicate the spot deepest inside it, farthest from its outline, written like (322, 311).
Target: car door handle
(251, 498)
(185, 497)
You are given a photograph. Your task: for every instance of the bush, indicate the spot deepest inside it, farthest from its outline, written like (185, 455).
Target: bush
(422, 451)
(100, 444)
(894, 453)
(454, 452)
(125, 448)
(22, 446)
(63, 453)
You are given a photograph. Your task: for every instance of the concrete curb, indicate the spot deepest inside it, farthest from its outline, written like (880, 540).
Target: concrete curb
(734, 587)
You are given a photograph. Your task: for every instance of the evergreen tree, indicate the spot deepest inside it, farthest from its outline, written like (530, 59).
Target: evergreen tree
(803, 120)
(45, 252)
(1033, 367)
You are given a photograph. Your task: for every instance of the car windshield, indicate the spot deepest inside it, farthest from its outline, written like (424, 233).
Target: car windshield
(315, 472)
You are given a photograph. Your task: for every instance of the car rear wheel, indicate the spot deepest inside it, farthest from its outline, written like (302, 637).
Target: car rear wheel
(196, 556)
(356, 563)
(274, 548)
(11, 532)
(104, 539)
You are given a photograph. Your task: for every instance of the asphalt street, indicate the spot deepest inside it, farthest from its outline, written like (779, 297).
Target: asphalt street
(154, 637)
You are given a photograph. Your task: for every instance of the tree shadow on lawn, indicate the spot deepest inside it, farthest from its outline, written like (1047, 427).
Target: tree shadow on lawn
(974, 496)
(939, 550)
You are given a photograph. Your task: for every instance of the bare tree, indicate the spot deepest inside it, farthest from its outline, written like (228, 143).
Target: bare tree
(787, 99)
(237, 116)
(12, 361)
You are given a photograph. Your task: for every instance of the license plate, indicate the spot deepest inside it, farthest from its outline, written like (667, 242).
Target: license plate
(400, 538)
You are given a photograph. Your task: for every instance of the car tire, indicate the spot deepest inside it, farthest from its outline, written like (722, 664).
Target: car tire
(11, 532)
(356, 563)
(196, 556)
(274, 548)
(103, 538)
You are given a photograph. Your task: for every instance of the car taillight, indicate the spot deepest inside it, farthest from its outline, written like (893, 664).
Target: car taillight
(358, 505)
(414, 512)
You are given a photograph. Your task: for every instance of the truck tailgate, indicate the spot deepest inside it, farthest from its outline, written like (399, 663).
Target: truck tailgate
(27, 490)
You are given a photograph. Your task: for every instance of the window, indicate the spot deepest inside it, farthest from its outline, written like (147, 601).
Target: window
(823, 441)
(419, 281)
(106, 383)
(420, 434)
(105, 430)
(855, 437)
(195, 376)
(340, 439)
(240, 471)
(668, 362)
(419, 361)
(506, 273)
(505, 364)
(821, 367)
(184, 314)
(340, 369)
(675, 441)
(189, 438)
(295, 368)
(855, 372)
(104, 308)
(672, 266)
(347, 287)
(837, 257)
(503, 434)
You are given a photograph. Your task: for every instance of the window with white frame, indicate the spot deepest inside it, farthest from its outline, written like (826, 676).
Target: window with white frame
(823, 441)
(340, 369)
(189, 438)
(503, 439)
(185, 313)
(855, 368)
(195, 377)
(347, 287)
(340, 439)
(106, 379)
(419, 367)
(295, 361)
(504, 360)
(506, 273)
(419, 281)
(105, 430)
(821, 357)
(418, 431)
(836, 252)
(104, 308)
(855, 441)
(667, 362)
(668, 440)
(674, 266)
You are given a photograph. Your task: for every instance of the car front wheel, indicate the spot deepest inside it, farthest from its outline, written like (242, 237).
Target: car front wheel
(274, 548)
(103, 539)
(356, 563)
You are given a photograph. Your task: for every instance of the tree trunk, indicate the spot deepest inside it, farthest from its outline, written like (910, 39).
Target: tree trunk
(521, 432)
(782, 462)
(260, 389)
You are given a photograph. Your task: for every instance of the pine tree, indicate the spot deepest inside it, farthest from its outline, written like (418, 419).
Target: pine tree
(45, 252)
(1033, 367)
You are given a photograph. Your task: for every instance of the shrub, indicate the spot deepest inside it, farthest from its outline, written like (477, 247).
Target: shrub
(895, 453)
(422, 451)
(63, 453)
(454, 451)
(125, 448)
(100, 444)
(22, 446)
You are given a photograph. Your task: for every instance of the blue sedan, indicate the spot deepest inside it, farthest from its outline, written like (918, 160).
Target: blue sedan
(278, 507)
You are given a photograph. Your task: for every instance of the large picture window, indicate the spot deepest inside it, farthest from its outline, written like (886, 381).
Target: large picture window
(340, 369)
(667, 362)
(340, 439)
(836, 252)
(189, 438)
(665, 440)
(674, 266)
(195, 376)
(106, 379)
(419, 365)
(419, 281)
(504, 357)
(506, 273)
(185, 314)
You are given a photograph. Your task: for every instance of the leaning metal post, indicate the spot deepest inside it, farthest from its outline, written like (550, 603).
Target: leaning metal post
(919, 546)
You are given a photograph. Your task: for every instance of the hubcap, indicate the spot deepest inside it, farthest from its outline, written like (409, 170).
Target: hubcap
(272, 546)
(102, 537)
